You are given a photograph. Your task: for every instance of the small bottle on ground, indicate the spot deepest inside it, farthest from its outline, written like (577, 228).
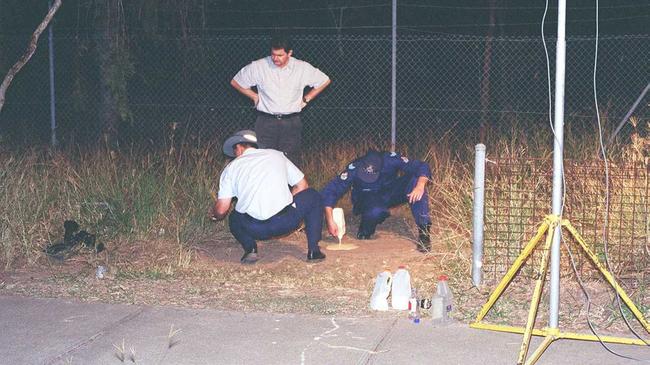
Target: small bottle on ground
(414, 307)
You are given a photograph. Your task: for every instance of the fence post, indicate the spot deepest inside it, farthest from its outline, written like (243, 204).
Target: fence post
(629, 114)
(52, 93)
(393, 105)
(477, 220)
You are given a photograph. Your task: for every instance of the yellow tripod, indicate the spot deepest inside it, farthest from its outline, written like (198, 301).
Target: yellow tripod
(551, 334)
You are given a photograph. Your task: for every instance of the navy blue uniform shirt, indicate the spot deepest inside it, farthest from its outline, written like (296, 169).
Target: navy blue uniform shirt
(393, 164)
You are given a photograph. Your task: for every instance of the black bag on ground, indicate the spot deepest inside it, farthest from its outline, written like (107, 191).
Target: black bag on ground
(71, 241)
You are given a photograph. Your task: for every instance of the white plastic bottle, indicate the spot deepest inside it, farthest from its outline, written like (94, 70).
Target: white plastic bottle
(379, 298)
(401, 289)
(339, 220)
(438, 311)
(443, 290)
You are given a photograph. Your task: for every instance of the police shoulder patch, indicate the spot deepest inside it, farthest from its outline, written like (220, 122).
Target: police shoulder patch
(344, 175)
(351, 166)
(405, 159)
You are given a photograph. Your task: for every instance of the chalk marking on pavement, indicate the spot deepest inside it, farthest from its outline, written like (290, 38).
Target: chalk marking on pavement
(349, 334)
(326, 333)
(71, 319)
(317, 338)
(94, 337)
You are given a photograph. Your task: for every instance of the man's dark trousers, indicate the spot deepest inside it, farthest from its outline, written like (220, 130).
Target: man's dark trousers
(308, 207)
(280, 133)
(373, 206)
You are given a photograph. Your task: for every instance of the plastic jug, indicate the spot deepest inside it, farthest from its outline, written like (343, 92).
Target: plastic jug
(443, 290)
(379, 298)
(401, 289)
(438, 311)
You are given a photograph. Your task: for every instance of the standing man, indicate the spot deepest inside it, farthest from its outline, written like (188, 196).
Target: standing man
(260, 180)
(280, 81)
(376, 186)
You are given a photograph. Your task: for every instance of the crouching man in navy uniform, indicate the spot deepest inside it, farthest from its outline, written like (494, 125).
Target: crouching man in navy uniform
(377, 186)
(266, 207)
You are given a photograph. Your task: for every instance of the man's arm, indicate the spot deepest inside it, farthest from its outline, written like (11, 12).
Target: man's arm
(220, 209)
(249, 93)
(313, 93)
(332, 228)
(416, 167)
(417, 192)
(300, 186)
(331, 193)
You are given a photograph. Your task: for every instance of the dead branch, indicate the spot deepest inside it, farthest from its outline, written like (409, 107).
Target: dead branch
(31, 48)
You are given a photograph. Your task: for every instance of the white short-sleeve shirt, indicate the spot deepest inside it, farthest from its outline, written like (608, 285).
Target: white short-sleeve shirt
(260, 180)
(280, 89)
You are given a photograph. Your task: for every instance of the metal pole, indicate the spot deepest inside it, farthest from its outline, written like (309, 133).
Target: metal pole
(558, 171)
(52, 93)
(393, 107)
(477, 221)
(629, 113)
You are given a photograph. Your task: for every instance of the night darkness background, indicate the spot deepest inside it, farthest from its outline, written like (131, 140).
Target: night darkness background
(512, 18)
(131, 69)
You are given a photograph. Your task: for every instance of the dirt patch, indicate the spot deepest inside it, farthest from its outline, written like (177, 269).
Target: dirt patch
(208, 275)
(212, 276)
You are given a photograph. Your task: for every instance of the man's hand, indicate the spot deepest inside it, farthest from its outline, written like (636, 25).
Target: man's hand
(332, 228)
(300, 186)
(211, 214)
(248, 92)
(418, 191)
(220, 209)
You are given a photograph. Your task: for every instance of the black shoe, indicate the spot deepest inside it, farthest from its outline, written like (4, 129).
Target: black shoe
(424, 238)
(363, 236)
(315, 256)
(249, 258)
(70, 227)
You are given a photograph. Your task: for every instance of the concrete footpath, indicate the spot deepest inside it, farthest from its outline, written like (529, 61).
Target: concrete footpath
(56, 331)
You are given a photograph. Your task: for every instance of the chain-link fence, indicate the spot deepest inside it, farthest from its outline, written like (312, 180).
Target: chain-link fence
(447, 86)
(614, 218)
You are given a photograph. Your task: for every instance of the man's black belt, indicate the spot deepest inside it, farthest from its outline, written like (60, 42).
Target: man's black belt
(277, 116)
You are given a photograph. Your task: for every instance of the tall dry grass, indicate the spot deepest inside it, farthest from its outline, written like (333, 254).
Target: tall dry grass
(122, 197)
(133, 196)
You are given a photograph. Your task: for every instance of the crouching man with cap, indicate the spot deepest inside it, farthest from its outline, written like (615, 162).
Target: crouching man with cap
(266, 207)
(376, 186)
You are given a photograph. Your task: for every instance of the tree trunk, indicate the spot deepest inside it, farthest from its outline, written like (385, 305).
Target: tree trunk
(31, 48)
(115, 68)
